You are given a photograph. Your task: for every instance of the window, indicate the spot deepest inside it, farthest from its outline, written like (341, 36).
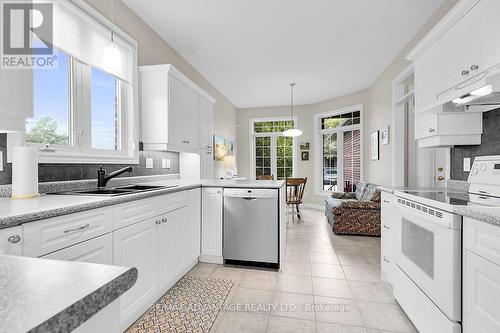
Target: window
(84, 108)
(51, 111)
(338, 144)
(272, 153)
(105, 110)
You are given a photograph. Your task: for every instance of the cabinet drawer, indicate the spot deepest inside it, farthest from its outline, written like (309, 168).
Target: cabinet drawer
(137, 211)
(97, 251)
(386, 266)
(53, 234)
(483, 239)
(11, 241)
(387, 201)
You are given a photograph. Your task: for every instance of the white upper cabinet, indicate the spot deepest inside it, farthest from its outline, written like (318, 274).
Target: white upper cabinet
(448, 61)
(172, 106)
(16, 98)
(206, 123)
(489, 48)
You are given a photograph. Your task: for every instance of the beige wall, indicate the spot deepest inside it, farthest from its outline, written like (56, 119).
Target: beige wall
(379, 107)
(305, 121)
(377, 102)
(154, 50)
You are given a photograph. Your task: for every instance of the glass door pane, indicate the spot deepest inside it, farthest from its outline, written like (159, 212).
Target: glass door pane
(352, 159)
(262, 156)
(330, 162)
(284, 157)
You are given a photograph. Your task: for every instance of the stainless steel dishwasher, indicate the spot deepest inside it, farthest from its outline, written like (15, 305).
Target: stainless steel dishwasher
(251, 227)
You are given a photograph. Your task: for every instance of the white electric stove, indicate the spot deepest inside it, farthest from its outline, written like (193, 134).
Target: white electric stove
(428, 283)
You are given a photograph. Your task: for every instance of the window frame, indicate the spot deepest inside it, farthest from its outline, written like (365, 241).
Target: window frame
(273, 135)
(81, 151)
(318, 147)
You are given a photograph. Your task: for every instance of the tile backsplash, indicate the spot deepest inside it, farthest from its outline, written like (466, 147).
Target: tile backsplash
(65, 172)
(490, 145)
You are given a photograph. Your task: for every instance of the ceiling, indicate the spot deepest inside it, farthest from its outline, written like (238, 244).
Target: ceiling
(251, 49)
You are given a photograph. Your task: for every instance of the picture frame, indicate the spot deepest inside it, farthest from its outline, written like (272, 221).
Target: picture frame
(304, 146)
(385, 136)
(304, 156)
(375, 146)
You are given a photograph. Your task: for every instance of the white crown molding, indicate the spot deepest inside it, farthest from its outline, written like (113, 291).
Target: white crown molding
(187, 81)
(452, 17)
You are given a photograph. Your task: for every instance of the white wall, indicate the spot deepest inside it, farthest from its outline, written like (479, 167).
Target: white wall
(154, 50)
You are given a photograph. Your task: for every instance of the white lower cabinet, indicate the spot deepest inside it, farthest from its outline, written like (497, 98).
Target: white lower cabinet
(159, 236)
(481, 274)
(211, 225)
(137, 246)
(97, 251)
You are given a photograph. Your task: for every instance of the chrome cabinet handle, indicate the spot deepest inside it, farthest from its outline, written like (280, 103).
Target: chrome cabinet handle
(185, 141)
(431, 130)
(249, 198)
(387, 201)
(14, 239)
(386, 226)
(465, 72)
(158, 222)
(164, 220)
(387, 261)
(77, 229)
(209, 152)
(474, 67)
(209, 147)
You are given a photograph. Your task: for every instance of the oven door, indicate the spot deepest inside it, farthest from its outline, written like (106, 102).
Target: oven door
(428, 251)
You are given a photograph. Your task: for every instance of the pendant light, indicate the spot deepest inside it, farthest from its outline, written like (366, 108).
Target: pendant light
(292, 132)
(111, 58)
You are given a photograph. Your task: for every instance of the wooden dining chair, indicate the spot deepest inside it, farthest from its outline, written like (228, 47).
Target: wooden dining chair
(294, 192)
(265, 177)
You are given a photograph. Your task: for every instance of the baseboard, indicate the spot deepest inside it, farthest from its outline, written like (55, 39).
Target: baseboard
(211, 259)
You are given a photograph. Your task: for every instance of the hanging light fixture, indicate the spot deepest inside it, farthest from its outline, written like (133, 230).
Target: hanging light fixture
(111, 57)
(292, 132)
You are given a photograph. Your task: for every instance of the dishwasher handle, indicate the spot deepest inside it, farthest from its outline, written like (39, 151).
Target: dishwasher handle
(250, 198)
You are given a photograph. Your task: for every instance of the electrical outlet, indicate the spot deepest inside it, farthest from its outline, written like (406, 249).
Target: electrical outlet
(149, 163)
(466, 164)
(168, 163)
(163, 163)
(1, 160)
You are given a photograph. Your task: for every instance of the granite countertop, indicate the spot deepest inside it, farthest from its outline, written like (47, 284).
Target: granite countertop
(18, 211)
(42, 295)
(485, 214)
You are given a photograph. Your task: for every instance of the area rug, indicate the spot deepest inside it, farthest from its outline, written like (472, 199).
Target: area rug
(190, 306)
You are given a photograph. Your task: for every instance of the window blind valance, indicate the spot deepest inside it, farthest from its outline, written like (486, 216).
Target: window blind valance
(83, 35)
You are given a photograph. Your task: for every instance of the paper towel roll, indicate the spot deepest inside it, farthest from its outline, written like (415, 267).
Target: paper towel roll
(24, 172)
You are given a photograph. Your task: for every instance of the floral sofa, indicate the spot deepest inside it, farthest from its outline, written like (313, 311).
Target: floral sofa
(356, 213)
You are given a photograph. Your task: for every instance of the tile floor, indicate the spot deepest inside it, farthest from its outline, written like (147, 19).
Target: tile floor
(328, 284)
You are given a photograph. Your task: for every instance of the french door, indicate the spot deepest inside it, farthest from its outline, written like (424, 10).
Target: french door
(341, 159)
(273, 155)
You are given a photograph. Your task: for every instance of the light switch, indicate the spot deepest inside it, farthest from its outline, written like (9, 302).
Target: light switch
(168, 163)
(1, 160)
(466, 164)
(163, 163)
(149, 163)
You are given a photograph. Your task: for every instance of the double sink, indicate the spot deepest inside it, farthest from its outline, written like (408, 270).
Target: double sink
(111, 192)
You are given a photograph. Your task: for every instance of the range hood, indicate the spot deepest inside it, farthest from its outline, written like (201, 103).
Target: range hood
(478, 94)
